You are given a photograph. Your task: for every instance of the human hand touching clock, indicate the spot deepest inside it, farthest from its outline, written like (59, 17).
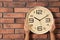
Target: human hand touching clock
(39, 20)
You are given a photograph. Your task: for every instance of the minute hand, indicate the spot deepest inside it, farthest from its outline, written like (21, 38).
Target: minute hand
(43, 17)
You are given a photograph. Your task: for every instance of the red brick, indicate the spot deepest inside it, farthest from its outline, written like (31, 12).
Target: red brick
(39, 36)
(21, 20)
(53, 0)
(14, 15)
(0, 4)
(0, 14)
(19, 39)
(33, 4)
(47, 1)
(40, 0)
(13, 39)
(57, 31)
(57, 14)
(14, 4)
(13, 36)
(0, 26)
(54, 3)
(0, 36)
(30, 0)
(21, 9)
(6, 20)
(13, 26)
(58, 36)
(5, 31)
(57, 20)
(19, 31)
(24, 0)
(5, 0)
(6, 39)
(6, 9)
(57, 25)
(54, 9)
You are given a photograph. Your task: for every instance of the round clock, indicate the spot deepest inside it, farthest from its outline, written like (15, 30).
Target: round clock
(39, 20)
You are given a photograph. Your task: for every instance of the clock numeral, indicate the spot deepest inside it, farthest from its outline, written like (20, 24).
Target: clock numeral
(39, 28)
(47, 20)
(31, 20)
(38, 11)
(47, 24)
(34, 11)
(44, 28)
(31, 15)
(31, 25)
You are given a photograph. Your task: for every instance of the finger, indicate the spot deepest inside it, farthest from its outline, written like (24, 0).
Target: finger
(53, 26)
(24, 24)
(54, 21)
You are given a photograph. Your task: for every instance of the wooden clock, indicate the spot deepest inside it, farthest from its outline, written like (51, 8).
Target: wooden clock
(39, 20)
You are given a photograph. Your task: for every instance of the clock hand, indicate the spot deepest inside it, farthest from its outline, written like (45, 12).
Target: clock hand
(43, 17)
(37, 18)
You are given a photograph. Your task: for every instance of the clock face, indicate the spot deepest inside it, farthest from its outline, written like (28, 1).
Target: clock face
(39, 20)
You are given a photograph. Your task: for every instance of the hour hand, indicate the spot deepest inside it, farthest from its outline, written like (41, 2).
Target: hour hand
(36, 18)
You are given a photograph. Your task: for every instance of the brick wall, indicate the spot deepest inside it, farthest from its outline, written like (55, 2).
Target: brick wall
(12, 15)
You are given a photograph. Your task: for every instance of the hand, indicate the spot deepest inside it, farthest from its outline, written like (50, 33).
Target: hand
(26, 29)
(43, 17)
(37, 18)
(53, 27)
